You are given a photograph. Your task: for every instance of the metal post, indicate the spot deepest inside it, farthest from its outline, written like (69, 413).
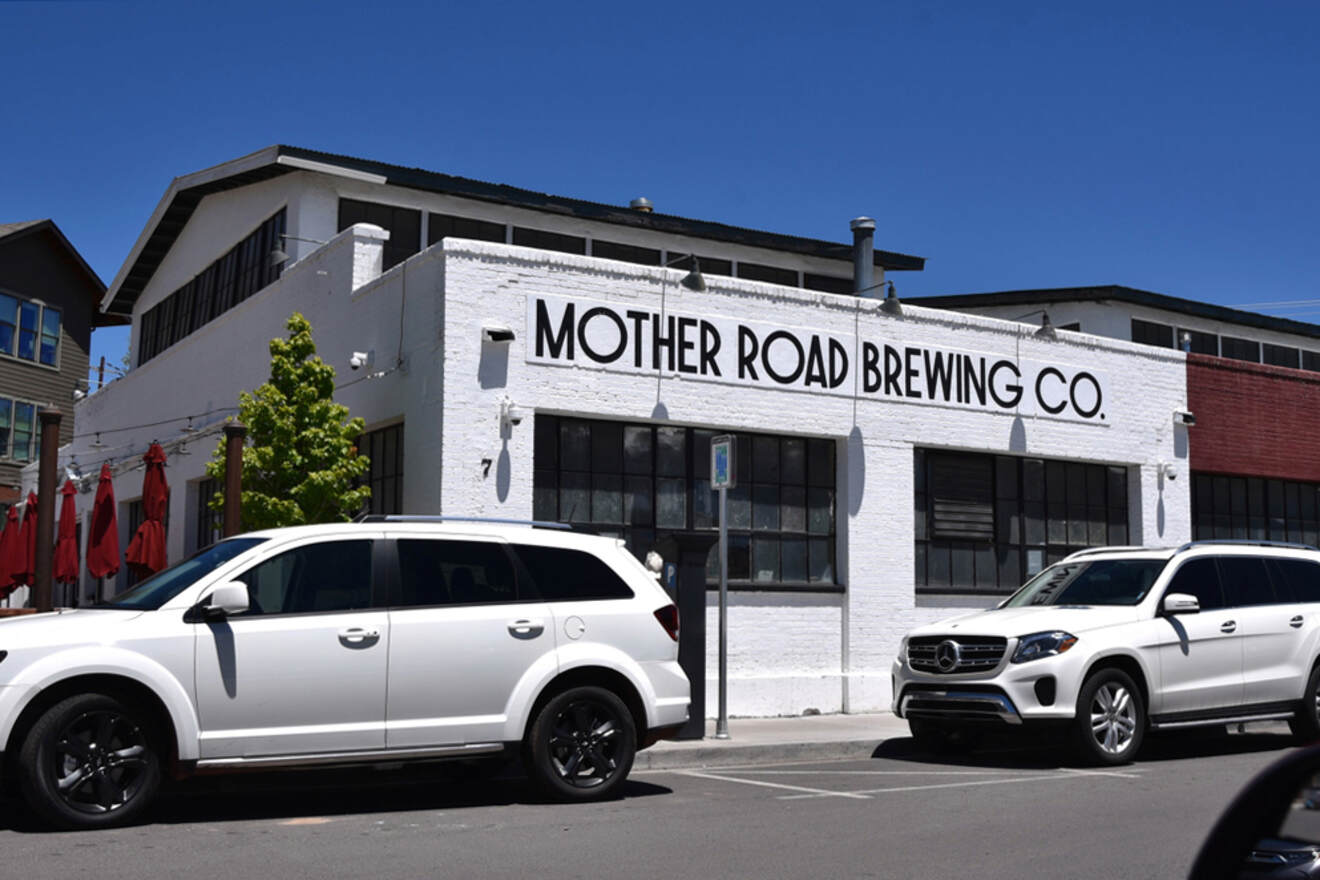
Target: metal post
(722, 722)
(50, 452)
(234, 434)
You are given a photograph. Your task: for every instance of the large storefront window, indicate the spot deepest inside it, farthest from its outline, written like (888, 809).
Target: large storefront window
(645, 482)
(1255, 509)
(985, 523)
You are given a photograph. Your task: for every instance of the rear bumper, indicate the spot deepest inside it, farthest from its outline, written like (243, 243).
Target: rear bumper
(655, 734)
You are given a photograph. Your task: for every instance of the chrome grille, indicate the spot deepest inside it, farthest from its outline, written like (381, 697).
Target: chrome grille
(966, 653)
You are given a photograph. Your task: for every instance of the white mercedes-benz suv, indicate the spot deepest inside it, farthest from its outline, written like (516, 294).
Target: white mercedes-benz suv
(382, 641)
(1110, 642)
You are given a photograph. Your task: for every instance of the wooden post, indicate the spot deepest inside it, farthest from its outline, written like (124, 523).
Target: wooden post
(234, 434)
(50, 450)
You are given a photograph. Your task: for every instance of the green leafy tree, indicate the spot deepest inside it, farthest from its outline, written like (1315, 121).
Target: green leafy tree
(301, 461)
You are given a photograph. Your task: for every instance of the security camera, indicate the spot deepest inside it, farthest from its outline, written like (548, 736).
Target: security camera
(1170, 472)
(510, 413)
(497, 333)
(1183, 417)
(360, 359)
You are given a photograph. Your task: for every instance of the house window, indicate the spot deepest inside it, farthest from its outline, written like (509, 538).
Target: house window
(1239, 349)
(18, 430)
(29, 330)
(1281, 355)
(237, 275)
(1254, 509)
(441, 226)
(385, 477)
(549, 241)
(1150, 333)
(1198, 342)
(208, 524)
(985, 523)
(644, 483)
(403, 224)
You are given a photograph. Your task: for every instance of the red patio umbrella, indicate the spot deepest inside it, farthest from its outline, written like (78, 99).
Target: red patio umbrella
(9, 550)
(66, 545)
(103, 542)
(25, 570)
(146, 552)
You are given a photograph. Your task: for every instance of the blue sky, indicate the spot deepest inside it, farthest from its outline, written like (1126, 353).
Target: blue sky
(1170, 147)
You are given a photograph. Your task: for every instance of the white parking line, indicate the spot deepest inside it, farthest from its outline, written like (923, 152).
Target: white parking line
(879, 772)
(809, 792)
(1053, 777)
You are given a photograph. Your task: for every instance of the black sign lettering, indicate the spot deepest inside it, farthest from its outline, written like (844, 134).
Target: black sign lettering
(560, 340)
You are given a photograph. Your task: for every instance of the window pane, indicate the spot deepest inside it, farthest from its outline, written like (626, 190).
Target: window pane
(637, 449)
(637, 505)
(820, 462)
(574, 445)
(793, 509)
(327, 576)
(739, 507)
(606, 498)
(545, 495)
(793, 461)
(24, 431)
(574, 500)
(820, 511)
(705, 505)
(545, 446)
(765, 508)
(962, 565)
(670, 451)
(739, 558)
(671, 504)
(765, 459)
(985, 567)
(27, 331)
(820, 561)
(765, 559)
(793, 560)
(606, 447)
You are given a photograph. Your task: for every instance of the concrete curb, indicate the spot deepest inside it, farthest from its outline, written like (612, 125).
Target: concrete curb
(733, 754)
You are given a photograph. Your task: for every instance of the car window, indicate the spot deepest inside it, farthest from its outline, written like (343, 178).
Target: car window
(561, 575)
(1245, 581)
(1295, 580)
(164, 585)
(1200, 578)
(1090, 582)
(443, 572)
(327, 576)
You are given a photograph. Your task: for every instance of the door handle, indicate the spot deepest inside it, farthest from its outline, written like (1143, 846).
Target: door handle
(524, 628)
(1296, 622)
(356, 635)
(1228, 626)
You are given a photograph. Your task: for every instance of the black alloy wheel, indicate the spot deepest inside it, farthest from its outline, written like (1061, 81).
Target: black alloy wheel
(89, 762)
(582, 744)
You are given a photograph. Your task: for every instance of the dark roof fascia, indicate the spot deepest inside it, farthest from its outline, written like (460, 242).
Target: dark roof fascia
(185, 201)
(1132, 295)
(95, 286)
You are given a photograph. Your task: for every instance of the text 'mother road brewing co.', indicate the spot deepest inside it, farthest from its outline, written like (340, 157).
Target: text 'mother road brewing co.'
(612, 336)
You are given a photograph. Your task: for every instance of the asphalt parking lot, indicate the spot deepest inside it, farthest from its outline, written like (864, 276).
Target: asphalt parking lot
(901, 813)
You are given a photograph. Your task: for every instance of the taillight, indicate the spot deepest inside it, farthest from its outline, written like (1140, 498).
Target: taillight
(668, 617)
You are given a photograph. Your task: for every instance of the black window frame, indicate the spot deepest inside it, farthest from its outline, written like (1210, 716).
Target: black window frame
(403, 224)
(384, 474)
(544, 240)
(1153, 333)
(1234, 507)
(441, 226)
(768, 274)
(1280, 355)
(1239, 349)
(1199, 342)
(1039, 511)
(803, 483)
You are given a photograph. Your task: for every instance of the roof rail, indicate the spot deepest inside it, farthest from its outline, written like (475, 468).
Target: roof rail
(1092, 551)
(1244, 542)
(437, 518)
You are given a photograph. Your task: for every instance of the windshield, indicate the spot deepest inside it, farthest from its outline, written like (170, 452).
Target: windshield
(167, 583)
(1090, 582)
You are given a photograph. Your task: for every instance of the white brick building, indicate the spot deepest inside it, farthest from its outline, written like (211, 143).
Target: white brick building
(900, 468)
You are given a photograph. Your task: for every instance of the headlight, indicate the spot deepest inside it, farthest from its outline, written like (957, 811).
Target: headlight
(1046, 644)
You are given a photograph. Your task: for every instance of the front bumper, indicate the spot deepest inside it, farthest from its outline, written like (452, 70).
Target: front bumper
(958, 703)
(1009, 694)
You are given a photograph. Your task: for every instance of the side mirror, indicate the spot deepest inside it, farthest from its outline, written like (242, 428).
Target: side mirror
(1181, 603)
(1270, 829)
(226, 599)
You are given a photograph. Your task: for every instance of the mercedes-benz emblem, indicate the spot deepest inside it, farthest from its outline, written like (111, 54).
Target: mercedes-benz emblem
(947, 655)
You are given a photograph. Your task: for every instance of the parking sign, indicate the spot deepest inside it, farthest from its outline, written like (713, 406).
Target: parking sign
(721, 462)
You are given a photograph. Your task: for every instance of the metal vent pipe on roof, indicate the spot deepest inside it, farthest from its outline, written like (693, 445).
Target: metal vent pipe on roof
(643, 204)
(863, 229)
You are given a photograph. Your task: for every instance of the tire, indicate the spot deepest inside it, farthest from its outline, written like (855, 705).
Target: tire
(581, 745)
(90, 761)
(1305, 724)
(1111, 718)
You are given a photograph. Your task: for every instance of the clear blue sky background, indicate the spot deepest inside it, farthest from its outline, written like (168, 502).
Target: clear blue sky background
(1171, 147)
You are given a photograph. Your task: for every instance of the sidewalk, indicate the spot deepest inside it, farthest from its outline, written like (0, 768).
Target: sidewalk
(775, 740)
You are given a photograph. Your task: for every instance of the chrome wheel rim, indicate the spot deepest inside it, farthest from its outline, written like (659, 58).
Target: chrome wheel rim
(1113, 718)
(100, 762)
(585, 744)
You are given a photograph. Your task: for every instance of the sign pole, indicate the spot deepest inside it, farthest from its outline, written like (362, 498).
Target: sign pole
(721, 478)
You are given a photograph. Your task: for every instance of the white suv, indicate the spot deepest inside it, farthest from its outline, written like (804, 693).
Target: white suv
(387, 640)
(1112, 641)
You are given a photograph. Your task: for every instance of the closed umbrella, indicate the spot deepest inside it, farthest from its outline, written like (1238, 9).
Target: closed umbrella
(25, 571)
(146, 552)
(66, 544)
(103, 542)
(9, 550)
